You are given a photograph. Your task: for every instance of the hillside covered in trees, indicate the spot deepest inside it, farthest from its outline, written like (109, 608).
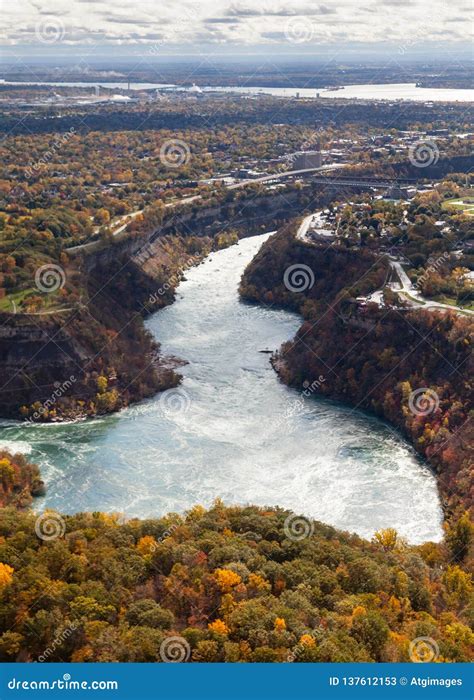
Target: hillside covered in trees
(413, 368)
(235, 584)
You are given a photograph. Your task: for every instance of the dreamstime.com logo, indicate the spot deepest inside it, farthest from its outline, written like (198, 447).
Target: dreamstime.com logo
(423, 650)
(181, 24)
(64, 683)
(49, 278)
(173, 280)
(46, 406)
(57, 642)
(424, 401)
(423, 153)
(174, 402)
(433, 266)
(50, 30)
(49, 526)
(297, 527)
(298, 406)
(175, 650)
(48, 156)
(299, 30)
(175, 153)
(298, 278)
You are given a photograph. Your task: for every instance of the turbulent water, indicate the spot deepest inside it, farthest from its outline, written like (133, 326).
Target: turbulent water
(232, 430)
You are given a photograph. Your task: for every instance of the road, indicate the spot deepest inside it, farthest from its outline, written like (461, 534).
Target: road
(123, 221)
(302, 232)
(407, 290)
(414, 297)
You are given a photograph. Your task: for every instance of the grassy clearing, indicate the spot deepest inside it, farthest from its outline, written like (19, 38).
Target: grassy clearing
(15, 302)
(464, 205)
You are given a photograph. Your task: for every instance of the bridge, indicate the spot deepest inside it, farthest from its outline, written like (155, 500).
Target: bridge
(328, 180)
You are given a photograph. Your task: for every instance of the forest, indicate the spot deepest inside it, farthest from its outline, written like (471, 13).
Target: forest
(234, 584)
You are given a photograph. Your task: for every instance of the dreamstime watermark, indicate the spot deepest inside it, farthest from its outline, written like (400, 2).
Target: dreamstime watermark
(167, 533)
(424, 401)
(173, 280)
(175, 153)
(434, 266)
(59, 391)
(50, 526)
(298, 527)
(298, 406)
(49, 278)
(175, 650)
(424, 153)
(64, 683)
(58, 642)
(50, 30)
(414, 38)
(300, 648)
(312, 142)
(299, 30)
(174, 402)
(423, 650)
(298, 278)
(42, 162)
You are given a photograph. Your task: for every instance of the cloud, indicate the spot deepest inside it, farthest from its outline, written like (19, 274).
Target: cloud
(267, 10)
(222, 20)
(245, 22)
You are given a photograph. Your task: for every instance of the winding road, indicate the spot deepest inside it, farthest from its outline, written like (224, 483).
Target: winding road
(407, 290)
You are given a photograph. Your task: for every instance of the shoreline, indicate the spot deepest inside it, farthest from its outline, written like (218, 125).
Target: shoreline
(448, 456)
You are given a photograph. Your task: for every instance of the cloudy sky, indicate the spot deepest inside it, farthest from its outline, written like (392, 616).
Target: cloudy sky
(237, 24)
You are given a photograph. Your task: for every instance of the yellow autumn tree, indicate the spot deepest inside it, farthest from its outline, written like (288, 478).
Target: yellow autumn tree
(227, 579)
(359, 610)
(146, 545)
(6, 575)
(387, 538)
(307, 640)
(102, 383)
(279, 624)
(7, 473)
(219, 627)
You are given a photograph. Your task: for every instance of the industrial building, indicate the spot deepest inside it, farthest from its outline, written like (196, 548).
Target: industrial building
(307, 159)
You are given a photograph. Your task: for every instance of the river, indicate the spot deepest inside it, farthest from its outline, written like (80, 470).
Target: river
(371, 91)
(232, 430)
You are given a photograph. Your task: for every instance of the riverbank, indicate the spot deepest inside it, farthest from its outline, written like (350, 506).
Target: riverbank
(97, 358)
(231, 429)
(411, 369)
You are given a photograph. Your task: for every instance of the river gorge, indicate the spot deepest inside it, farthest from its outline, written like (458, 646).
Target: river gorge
(232, 430)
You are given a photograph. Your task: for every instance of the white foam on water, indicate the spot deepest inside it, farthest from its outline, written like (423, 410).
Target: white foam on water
(244, 436)
(16, 446)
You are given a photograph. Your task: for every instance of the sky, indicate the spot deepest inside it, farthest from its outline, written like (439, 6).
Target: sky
(235, 25)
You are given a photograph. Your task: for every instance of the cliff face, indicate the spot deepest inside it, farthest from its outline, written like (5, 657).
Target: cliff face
(97, 357)
(289, 273)
(94, 358)
(37, 354)
(245, 215)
